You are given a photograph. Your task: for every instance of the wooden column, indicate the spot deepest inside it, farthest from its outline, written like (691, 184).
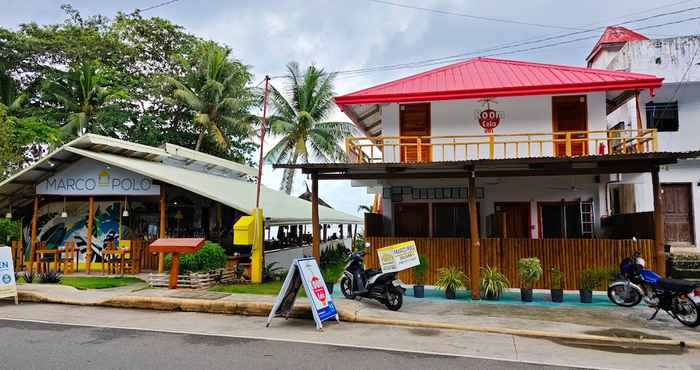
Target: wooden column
(32, 240)
(503, 219)
(474, 250)
(174, 270)
(315, 225)
(88, 237)
(659, 237)
(325, 232)
(163, 220)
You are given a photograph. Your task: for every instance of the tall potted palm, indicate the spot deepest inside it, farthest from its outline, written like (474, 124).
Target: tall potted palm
(450, 279)
(300, 121)
(529, 270)
(419, 272)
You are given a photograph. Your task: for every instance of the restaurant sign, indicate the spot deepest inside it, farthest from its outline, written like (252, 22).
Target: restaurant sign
(8, 286)
(90, 177)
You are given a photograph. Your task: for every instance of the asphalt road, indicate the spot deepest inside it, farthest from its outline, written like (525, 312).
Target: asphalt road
(33, 345)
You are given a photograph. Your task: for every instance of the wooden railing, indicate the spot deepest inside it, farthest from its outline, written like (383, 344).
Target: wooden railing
(387, 149)
(571, 256)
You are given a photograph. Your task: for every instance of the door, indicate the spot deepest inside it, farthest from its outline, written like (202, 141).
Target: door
(569, 113)
(411, 219)
(678, 212)
(414, 121)
(560, 220)
(517, 219)
(451, 220)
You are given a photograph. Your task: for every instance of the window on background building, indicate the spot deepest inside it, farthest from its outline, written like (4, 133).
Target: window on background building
(450, 220)
(662, 116)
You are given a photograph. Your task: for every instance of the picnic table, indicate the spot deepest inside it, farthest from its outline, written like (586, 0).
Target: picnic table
(176, 246)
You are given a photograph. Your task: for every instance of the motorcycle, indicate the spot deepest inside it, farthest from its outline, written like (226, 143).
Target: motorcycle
(371, 283)
(671, 295)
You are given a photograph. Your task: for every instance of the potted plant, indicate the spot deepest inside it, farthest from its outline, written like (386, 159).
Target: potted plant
(450, 279)
(331, 274)
(557, 287)
(419, 272)
(529, 270)
(590, 279)
(492, 283)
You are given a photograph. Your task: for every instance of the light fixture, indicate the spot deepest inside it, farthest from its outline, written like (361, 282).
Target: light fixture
(125, 213)
(64, 214)
(8, 215)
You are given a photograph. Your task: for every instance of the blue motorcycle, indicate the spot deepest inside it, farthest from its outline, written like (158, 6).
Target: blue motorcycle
(673, 296)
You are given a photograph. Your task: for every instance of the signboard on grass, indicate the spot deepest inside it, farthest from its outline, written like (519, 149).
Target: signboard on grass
(304, 272)
(8, 286)
(398, 257)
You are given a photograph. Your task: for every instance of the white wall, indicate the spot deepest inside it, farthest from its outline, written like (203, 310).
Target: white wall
(668, 58)
(526, 114)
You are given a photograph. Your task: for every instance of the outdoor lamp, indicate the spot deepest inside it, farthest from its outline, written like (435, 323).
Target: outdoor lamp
(125, 213)
(8, 215)
(64, 214)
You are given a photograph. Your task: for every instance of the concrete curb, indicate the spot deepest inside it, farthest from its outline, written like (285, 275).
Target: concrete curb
(302, 310)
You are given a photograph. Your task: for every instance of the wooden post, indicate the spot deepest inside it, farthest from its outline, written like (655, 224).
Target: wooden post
(659, 237)
(88, 252)
(32, 240)
(492, 146)
(163, 220)
(174, 270)
(504, 226)
(474, 250)
(315, 226)
(639, 122)
(569, 150)
(325, 232)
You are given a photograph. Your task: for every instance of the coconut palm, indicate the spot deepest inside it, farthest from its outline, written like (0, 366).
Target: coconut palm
(81, 93)
(215, 90)
(301, 121)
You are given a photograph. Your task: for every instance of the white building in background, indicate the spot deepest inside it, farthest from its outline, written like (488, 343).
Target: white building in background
(674, 110)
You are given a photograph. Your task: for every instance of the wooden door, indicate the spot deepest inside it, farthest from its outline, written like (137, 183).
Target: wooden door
(678, 212)
(411, 219)
(569, 113)
(517, 219)
(414, 121)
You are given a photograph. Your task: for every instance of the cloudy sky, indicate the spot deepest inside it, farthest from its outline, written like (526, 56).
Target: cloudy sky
(345, 35)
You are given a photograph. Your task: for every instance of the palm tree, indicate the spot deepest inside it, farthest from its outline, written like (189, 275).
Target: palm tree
(215, 90)
(80, 93)
(301, 122)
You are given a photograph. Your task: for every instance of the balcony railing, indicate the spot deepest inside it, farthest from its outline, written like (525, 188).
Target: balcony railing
(388, 149)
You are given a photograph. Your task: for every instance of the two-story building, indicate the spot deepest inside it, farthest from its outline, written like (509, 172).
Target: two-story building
(488, 160)
(672, 111)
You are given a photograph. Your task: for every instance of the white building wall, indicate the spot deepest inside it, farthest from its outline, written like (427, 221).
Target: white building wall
(526, 114)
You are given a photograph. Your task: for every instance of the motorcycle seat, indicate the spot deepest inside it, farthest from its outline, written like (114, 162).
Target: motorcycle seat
(677, 284)
(372, 272)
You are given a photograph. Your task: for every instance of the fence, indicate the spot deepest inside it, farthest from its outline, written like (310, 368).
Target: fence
(195, 280)
(571, 256)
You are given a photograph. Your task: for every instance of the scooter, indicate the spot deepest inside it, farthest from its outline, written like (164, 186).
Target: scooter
(371, 283)
(673, 296)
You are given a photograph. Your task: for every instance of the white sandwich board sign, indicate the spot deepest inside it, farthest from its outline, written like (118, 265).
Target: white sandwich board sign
(8, 285)
(305, 272)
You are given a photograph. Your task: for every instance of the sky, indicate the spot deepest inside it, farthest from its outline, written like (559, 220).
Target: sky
(341, 35)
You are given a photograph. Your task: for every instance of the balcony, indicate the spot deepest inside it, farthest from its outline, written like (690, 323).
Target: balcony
(395, 149)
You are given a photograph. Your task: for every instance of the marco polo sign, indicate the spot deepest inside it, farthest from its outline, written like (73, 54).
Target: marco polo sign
(90, 177)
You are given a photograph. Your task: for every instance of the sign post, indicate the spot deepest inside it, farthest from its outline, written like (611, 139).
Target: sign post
(305, 272)
(8, 286)
(398, 257)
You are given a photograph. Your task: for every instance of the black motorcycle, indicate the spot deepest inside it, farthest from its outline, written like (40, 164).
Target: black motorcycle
(371, 283)
(674, 297)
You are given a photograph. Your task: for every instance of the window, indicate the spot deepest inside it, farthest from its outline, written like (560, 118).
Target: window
(662, 116)
(450, 220)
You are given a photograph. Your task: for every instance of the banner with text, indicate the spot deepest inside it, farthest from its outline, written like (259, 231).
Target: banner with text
(398, 257)
(8, 286)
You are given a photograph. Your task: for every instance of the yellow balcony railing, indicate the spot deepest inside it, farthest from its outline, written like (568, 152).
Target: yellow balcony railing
(388, 149)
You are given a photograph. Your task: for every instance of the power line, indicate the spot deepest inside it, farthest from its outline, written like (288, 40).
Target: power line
(156, 6)
(471, 16)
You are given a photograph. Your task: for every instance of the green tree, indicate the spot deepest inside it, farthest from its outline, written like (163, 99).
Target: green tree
(301, 122)
(215, 90)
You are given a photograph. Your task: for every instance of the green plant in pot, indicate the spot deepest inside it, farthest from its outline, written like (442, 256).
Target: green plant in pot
(529, 270)
(492, 284)
(590, 279)
(331, 274)
(419, 273)
(557, 287)
(450, 279)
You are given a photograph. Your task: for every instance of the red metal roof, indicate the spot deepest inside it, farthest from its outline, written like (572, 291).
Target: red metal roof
(614, 35)
(488, 77)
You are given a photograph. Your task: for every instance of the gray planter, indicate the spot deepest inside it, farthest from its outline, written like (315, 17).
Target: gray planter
(557, 295)
(526, 294)
(586, 296)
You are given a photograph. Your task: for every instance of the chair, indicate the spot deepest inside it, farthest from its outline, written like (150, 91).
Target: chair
(132, 257)
(43, 259)
(68, 257)
(109, 257)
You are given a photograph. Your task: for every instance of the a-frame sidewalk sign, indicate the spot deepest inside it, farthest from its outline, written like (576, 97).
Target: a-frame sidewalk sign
(305, 272)
(8, 285)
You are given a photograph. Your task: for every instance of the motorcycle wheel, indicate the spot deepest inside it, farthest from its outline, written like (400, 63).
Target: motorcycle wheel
(686, 311)
(346, 287)
(616, 293)
(394, 300)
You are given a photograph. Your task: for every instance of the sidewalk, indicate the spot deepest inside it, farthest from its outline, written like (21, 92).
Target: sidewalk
(557, 321)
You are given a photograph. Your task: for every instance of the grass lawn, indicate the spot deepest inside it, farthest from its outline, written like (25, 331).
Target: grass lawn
(97, 282)
(269, 288)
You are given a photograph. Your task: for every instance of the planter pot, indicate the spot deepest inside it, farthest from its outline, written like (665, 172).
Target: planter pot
(450, 294)
(329, 286)
(586, 296)
(557, 295)
(492, 297)
(419, 291)
(526, 294)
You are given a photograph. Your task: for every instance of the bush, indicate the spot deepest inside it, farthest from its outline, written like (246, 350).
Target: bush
(451, 278)
(27, 276)
(595, 277)
(50, 277)
(530, 270)
(492, 282)
(421, 270)
(557, 278)
(210, 257)
(334, 255)
(271, 272)
(331, 274)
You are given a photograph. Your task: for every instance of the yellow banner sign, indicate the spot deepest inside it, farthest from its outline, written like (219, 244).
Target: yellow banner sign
(398, 257)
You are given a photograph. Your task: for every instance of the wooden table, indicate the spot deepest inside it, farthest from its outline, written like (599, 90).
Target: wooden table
(176, 246)
(56, 252)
